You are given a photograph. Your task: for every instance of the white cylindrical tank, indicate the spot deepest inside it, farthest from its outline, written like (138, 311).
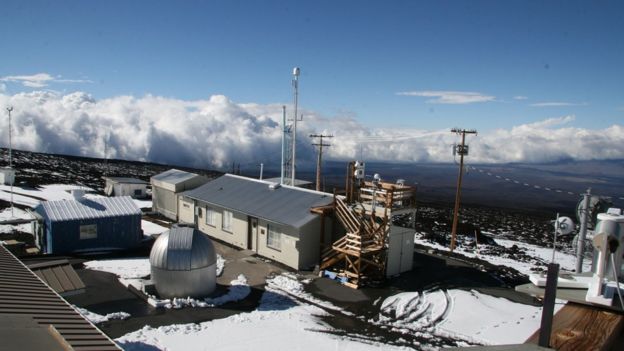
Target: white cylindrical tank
(183, 264)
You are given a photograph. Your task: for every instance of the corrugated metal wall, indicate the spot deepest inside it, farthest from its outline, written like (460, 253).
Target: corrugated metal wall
(165, 202)
(121, 232)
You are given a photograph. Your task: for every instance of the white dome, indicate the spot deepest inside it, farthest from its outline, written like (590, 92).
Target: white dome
(183, 263)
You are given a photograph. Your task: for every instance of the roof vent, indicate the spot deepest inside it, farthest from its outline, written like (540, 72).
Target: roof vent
(78, 194)
(274, 186)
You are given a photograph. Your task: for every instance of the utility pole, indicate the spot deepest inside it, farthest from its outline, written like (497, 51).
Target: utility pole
(462, 150)
(9, 110)
(320, 156)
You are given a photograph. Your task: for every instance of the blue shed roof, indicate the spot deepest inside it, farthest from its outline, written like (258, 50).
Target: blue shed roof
(284, 204)
(67, 210)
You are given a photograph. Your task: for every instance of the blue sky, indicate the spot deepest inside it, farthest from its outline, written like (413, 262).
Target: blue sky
(473, 64)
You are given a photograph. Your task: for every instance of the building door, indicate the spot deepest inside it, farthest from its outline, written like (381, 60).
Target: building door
(252, 233)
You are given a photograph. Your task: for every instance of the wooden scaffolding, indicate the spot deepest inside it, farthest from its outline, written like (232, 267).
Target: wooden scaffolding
(365, 212)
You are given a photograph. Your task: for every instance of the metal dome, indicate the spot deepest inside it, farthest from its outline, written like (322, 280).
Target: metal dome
(182, 249)
(183, 263)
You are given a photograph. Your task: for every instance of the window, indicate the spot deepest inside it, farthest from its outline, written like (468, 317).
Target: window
(274, 238)
(227, 221)
(211, 217)
(88, 231)
(138, 192)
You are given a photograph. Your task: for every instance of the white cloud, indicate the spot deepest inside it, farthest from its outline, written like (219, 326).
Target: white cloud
(215, 132)
(40, 80)
(2, 87)
(450, 97)
(558, 104)
(520, 97)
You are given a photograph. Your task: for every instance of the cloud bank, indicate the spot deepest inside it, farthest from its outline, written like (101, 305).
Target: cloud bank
(214, 132)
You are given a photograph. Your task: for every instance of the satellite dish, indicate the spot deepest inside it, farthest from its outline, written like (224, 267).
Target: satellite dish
(564, 225)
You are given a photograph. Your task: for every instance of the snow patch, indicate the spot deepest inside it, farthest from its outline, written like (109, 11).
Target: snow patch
(98, 318)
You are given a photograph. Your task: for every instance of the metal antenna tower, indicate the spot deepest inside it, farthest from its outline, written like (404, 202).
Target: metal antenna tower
(9, 110)
(295, 81)
(320, 156)
(462, 150)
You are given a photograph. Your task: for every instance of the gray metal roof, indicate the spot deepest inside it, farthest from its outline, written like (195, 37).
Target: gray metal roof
(298, 182)
(174, 176)
(30, 312)
(126, 180)
(59, 275)
(284, 205)
(66, 210)
(182, 249)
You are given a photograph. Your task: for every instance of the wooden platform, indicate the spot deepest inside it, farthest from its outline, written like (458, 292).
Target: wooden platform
(580, 327)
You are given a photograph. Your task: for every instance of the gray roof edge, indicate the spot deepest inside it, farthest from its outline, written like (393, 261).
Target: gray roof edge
(282, 185)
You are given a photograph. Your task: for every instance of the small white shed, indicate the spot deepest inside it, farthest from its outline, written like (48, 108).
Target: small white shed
(167, 185)
(400, 250)
(124, 186)
(7, 175)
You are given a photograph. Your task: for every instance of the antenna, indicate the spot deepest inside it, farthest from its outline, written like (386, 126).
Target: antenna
(295, 81)
(12, 178)
(284, 165)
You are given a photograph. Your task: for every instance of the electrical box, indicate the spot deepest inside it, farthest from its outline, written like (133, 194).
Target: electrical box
(359, 170)
(460, 150)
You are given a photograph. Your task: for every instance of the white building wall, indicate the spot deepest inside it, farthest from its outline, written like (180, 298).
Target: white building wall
(186, 214)
(165, 202)
(127, 189)
(288, 252)
(238, 235)
(309, 246)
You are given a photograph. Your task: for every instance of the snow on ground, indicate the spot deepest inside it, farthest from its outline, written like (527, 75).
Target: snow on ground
(19, 199)
(151, 228)
(566, 261)
(143, 203)
(238, 290)
(133, 268)
(289, 284)
(98, 318)
(279, 323)
(491, 320)
(542, 255)
(464, 315)
(17, 214)
(130, 268)
(29, 196)
(220, 265)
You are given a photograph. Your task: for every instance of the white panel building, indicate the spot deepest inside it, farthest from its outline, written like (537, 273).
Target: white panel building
(273, 221)
(167, 185)
(124, 186)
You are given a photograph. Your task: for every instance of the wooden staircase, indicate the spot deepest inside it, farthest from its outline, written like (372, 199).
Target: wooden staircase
(361, 249)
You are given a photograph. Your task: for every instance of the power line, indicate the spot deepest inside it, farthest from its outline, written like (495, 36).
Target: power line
(320, 156)
(527, 185)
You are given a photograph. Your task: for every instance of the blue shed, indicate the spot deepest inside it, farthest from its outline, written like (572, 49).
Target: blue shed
(83, 225)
